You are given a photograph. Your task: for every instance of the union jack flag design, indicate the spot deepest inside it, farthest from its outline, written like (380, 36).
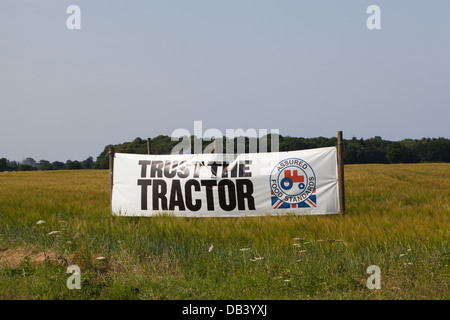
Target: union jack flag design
(311, 202)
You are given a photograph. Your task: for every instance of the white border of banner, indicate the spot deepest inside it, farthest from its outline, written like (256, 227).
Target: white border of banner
(250, 187)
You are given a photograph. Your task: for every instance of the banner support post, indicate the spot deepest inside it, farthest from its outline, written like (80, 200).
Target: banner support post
(148, 145)
(111, 177)
(340, 160)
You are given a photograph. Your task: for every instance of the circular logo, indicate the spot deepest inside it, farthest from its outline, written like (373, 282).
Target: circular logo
(292, 180)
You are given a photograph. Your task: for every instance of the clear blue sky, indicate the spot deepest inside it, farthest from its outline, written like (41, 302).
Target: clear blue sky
(144, 68)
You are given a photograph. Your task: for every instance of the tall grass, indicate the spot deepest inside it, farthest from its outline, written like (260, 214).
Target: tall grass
(398, 219)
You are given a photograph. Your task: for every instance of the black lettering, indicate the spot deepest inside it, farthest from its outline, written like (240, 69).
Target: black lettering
(231, 195)
(157, 169)
(234, 169)
(183, 171)
(198, 165)
(176, 196)
(209, 184)
(170, 172)
(214, 166)
(243, 169)
(159, 193)
(225, 170)
(144, 164)
(144, 186)
(242, 194)
(188, 194)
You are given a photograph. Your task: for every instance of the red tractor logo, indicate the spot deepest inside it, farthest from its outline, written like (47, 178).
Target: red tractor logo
(292, 177)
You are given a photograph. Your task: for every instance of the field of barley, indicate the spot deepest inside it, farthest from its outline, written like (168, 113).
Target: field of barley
(398, 219)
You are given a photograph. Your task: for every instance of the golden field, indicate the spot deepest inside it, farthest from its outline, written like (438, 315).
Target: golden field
(398, 218)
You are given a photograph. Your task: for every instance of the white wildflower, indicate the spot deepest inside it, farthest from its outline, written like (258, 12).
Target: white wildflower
(257, 258)
(211, 248)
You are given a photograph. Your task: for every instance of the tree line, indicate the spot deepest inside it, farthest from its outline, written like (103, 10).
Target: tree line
(29, 164)
(372, 150)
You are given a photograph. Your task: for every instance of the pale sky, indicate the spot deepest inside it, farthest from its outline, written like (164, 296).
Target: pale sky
(145, 68)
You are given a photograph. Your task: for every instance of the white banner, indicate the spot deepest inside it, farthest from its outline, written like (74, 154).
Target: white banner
(222, 185)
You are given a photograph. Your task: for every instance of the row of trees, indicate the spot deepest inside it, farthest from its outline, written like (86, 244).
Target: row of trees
(372, 150)
(376, 150)
(29, 164)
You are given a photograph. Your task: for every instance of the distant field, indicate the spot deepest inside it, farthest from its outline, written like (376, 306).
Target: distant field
(398, 219)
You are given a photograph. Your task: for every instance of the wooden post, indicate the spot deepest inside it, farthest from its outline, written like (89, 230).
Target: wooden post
(148, 146)
(340, 160)
(111, 177)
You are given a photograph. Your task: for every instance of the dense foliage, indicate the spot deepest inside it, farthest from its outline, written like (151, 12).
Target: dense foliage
(372, 150)
(29, 164)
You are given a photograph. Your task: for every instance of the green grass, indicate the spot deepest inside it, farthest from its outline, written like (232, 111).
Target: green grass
(398, 219)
